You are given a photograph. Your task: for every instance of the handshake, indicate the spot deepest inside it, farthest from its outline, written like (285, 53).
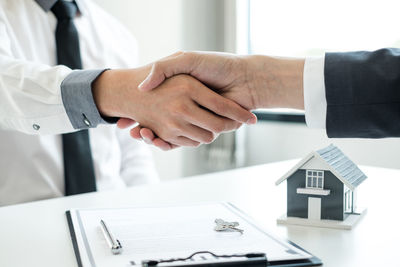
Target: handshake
(189, 98)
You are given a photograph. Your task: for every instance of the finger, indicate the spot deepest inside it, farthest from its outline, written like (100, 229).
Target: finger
(184, 141)
(144, 133)
(123, 123)
(223, 106)
(147, 135)
(183, 63)
(135, 133)
(211, 122)
(197, 134)
(160, 143)
(157, 141)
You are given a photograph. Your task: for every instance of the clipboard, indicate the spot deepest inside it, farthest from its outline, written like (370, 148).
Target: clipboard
(91, 249)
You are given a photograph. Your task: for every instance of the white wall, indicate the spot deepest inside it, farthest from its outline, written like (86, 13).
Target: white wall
(271, 141)
(156, 24)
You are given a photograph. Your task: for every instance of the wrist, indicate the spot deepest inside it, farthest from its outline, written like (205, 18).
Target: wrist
(114, 89)
(101, 88)
(276, 82)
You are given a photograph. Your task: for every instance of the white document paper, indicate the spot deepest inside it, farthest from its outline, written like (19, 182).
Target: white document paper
(153, 233)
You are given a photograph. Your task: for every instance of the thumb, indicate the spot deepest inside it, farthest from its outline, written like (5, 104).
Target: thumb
(180, 63)
(153, 79)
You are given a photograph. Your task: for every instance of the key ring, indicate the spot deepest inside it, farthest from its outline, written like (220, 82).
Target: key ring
(222, 226)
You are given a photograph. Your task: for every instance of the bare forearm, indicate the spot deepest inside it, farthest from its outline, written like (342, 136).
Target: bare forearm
(275, 82)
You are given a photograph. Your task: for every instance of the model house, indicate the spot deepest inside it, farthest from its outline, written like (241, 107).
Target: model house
(322, 186)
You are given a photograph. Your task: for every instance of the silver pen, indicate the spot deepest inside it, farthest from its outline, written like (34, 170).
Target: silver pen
(114, 244)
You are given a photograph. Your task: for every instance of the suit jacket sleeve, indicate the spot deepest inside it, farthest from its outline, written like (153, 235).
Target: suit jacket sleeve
(363, 94)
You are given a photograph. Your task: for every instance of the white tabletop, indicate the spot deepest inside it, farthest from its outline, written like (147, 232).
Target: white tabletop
(36, 234)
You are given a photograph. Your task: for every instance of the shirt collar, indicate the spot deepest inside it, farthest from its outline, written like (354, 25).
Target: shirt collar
(47, 4)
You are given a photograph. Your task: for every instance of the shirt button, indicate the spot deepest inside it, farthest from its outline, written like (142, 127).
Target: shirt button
(35, 127)
(86, 121)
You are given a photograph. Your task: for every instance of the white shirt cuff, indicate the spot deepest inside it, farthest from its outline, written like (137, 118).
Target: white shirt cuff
(314, 92)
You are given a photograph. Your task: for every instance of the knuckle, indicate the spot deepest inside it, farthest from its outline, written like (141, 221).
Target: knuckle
(169, 137)
(179, 84)
(173, 128)
(169, 133)
(186, 54)
(156, 67)
(180, 108)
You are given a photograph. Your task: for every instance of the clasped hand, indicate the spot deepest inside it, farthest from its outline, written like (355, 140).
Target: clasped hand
(199, 113)
(180, 111)
(190, 97)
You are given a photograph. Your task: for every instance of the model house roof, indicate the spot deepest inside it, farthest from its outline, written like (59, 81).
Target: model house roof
(335, 161)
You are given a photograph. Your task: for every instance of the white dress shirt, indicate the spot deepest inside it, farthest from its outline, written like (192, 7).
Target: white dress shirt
(32, 165)
(315, 104)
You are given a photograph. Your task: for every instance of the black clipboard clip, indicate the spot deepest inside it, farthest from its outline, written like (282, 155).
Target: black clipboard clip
(248, 259)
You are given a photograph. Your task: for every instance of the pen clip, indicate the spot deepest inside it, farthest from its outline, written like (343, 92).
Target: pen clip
(113, 243)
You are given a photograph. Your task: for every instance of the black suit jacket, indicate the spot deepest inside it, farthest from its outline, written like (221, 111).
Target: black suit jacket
(363, 94)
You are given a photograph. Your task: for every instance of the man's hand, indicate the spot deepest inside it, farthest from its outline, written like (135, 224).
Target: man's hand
(225, 73)
(182, 111)
(251, 81)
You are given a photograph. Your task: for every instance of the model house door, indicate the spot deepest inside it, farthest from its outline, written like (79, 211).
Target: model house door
(314, 208)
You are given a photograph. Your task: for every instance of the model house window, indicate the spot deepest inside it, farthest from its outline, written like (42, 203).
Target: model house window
(315, 179)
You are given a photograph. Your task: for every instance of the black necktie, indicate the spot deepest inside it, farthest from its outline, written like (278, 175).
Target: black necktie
(78, 164)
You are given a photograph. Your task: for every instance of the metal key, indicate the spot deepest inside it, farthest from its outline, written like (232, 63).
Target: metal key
(227, 226)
